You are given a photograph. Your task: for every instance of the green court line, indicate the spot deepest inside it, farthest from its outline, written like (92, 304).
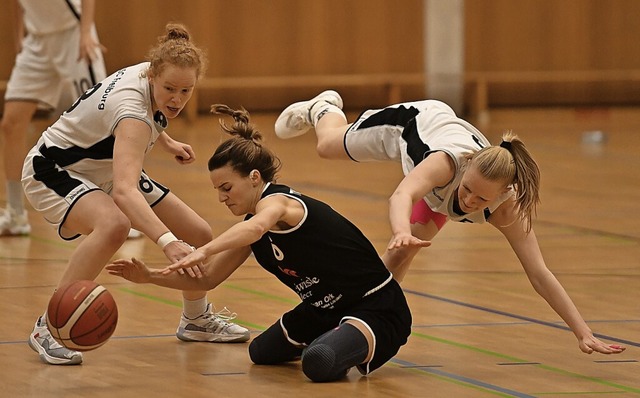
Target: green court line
(416, 334)
(518, 360)
(469, 347)
(589, 378)
(580, 393)
(151, 297)
(177, 303)
(262, 294)
(449, 380)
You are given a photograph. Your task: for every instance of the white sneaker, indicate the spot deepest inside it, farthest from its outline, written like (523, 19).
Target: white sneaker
(49, 349)
(13, 223)
(297, 118)
(212, 327)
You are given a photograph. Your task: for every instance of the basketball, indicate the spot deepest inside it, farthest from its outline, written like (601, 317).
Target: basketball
(82, 315)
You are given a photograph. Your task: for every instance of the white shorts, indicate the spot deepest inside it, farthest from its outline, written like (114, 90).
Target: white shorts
(53, 191)
(47, 70)
(375, 135)
(378, 142)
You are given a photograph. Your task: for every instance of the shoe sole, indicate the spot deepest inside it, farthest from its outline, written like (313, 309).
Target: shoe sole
(207, 338)
(48, 359)
(286, 133)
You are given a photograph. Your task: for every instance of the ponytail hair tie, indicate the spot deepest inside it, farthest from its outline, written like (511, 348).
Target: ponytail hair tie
(506, 145)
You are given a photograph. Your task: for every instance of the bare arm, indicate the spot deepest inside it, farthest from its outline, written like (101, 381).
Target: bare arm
(434, 171)
(269, 211)
(525, 245)
(88, 45)
(182, 152)
(132, 137)
(215, 272)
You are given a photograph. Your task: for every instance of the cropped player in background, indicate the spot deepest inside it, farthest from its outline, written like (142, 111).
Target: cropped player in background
(85, 176)
(59, 58)
(451, 172)
(353, 313)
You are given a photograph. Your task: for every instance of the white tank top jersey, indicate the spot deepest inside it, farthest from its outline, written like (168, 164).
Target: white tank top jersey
(83, 135)
(440, 128)
(43, 17)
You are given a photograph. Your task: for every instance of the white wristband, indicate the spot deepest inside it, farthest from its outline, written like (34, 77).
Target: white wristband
(165, 239)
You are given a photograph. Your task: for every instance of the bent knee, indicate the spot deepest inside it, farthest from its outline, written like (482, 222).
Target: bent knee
(256, 353)
(198, 234)
(319, 364)
(114, 228)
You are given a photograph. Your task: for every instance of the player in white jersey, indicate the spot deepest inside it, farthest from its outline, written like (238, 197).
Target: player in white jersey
(451, 172)
(85, 176)
(59, 58)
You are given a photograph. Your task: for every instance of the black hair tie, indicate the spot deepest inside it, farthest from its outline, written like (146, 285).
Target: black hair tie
(506, 145)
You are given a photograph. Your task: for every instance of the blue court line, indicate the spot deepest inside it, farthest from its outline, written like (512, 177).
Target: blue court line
(445, 376)
(521, 317)
(515, 360)
(466, 381)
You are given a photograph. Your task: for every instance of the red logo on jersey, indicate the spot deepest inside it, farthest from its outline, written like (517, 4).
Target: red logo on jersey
(288, 271)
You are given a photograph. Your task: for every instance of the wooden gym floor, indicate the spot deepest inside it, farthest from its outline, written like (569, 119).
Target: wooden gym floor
(479, 328)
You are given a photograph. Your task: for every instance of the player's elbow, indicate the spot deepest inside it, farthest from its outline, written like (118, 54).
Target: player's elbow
(255, 231)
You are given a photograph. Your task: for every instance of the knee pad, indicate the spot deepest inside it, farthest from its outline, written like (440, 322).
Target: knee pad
(272, 347)
(330, 356)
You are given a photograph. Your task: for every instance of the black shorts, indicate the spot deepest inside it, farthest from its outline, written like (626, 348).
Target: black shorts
(385, 312)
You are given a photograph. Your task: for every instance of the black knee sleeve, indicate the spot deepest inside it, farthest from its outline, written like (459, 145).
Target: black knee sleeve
(272, 347)
(330, 356)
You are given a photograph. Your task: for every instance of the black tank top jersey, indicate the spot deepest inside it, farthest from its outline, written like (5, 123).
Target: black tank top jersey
(325, 259)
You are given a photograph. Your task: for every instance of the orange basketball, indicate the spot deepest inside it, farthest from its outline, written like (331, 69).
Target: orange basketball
(82, 315)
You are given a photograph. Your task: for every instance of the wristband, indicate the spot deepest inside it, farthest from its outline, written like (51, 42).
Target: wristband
(165, 239)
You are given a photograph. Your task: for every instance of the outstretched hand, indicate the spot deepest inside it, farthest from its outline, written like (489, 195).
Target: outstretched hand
(589, 344)
(133, 270)
(406, 240)
(190, 262)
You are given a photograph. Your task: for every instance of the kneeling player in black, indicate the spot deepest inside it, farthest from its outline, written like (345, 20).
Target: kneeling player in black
(353, 313)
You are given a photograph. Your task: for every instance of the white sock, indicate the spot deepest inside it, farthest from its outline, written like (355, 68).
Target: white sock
(194, 308)
(14, 196)
(321, 108)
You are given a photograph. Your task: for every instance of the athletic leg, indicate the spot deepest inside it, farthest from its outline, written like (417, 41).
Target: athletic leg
(183, 221)
(14, 126)
(15, 123)
(95, 215)
(272, 347)
(324, 112)
(330, 131)
(330, 356)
